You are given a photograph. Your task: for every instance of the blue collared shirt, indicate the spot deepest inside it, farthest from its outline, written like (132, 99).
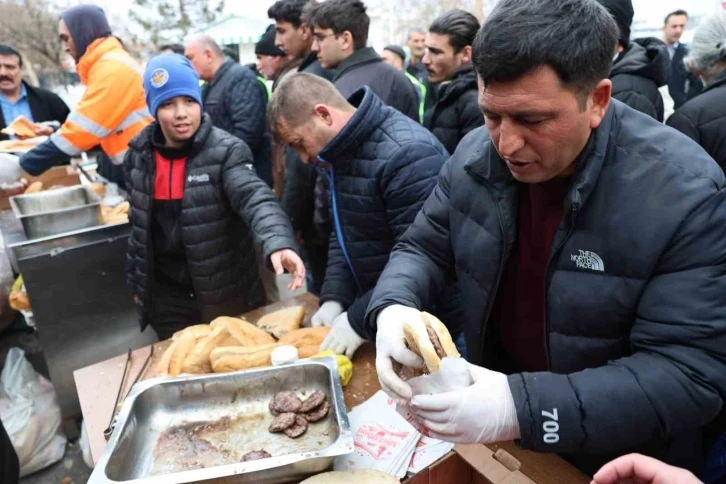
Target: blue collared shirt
(20, 107)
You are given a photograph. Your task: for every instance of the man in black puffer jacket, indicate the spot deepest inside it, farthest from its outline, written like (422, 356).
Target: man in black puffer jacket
(640, 67)
(381, 166)
(195, 205)
(448, 62)
(588, 241)
(234, 99)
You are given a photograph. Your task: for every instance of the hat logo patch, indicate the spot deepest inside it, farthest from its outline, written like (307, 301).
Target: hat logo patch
(159, 77)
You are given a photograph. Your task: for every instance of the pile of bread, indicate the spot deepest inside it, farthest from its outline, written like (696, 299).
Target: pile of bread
(231, 344)
(115, 215)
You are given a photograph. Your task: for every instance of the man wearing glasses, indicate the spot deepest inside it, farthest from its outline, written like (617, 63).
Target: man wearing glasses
(340, 34)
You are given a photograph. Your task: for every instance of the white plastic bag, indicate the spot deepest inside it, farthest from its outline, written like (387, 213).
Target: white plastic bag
(30, 413)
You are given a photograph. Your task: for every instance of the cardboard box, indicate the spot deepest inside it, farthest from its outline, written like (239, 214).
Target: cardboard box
(501, 463)
(65, 176)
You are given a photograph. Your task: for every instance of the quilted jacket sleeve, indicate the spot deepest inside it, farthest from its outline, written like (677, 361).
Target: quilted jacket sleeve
(131, 271)
(638, 101)
(674, 380)
(339, 284)
(408, 179)
(247, 111)
(255, 202)
(421, 262)
(685, 125)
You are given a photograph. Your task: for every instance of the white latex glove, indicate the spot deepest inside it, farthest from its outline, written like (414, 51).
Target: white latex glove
(327, 314)
(10, 169)
(391, 348)
(343, 339)
(480, 414)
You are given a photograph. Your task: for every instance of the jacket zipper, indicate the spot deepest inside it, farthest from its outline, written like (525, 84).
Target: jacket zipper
(336, 220)
(171, 178)
(548, 276)
(502, 262)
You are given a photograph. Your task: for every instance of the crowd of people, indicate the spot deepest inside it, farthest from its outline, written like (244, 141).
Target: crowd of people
(550, 188)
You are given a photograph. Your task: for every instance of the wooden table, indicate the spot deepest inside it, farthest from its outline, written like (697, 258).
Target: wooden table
(98, 384)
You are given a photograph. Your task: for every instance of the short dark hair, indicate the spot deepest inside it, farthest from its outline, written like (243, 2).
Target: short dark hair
(576, 38)
(7, 50)
(175, 48)
(288, 11)
(675, 13)
(459, 25)
(340, 16)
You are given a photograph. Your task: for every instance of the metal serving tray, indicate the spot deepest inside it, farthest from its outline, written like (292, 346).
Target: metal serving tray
(57, 211)
(135, 453)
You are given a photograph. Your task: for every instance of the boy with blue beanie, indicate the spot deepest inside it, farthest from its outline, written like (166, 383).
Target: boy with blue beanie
(195, 206)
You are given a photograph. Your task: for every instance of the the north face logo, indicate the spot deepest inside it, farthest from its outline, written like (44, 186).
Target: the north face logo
(198, 178)
(588, 260)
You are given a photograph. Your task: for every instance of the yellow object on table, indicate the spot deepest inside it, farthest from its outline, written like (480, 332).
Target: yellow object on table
(345, 366)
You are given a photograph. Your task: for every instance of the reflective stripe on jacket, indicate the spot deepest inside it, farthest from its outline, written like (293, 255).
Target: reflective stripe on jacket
(112, 110)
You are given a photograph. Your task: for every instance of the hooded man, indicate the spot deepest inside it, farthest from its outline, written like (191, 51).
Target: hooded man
(113, 108)
(640, 67)
(195, 205)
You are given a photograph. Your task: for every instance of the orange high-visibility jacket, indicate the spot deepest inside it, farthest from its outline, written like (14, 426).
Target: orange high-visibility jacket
(112, 110)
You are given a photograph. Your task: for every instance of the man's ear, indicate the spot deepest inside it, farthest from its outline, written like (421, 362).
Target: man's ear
(322, 113)
(599, 102)
(348, 41)
(306, 30)
(465, 54)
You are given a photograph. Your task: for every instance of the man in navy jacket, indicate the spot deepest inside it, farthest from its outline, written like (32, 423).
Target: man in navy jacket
(381, 166)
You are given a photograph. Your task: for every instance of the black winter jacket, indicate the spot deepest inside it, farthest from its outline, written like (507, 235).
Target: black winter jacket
(638, 73)
(45, 106)
(682, 84)
(457, 110)
(636, 289)
(384, 166)
(703, 119)
(237, 103)
(224, 203)
(366, 68)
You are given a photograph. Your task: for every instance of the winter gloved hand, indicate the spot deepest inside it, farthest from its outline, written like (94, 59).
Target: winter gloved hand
(343, 339)
(641, 469)
(391, 350)
(479, 414)
(327, 314)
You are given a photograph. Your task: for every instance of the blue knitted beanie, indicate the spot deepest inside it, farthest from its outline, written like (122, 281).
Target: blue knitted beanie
(168, 76)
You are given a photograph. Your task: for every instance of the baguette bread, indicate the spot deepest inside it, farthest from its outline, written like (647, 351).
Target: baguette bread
(283, 321)
(21, 127)
(246, 333)
(162, 368)
(235, 358)
(184, 345)
(198, 330)
(305, 337)
(197, 361)
(428, 337)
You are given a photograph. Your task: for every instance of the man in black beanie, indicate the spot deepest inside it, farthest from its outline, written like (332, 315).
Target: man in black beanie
(270, 58)
(640, 67)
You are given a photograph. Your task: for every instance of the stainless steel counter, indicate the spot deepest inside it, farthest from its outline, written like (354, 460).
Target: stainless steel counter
(83, 309)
